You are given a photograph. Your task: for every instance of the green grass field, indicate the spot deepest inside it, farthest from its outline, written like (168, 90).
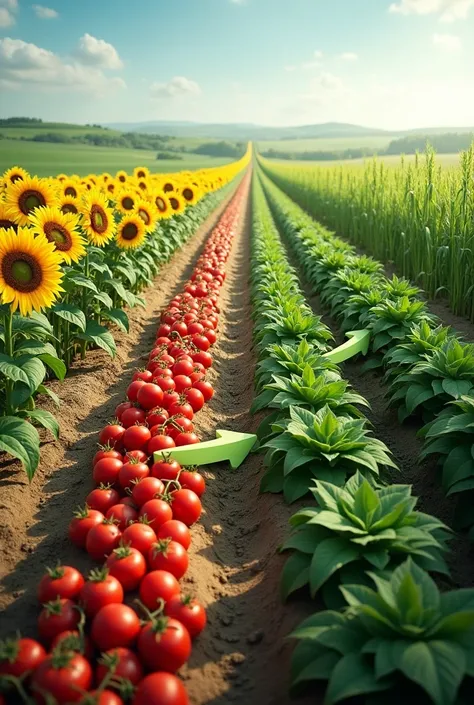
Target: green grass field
(67, 130)
(392, 160)
(330, 144)
(45, 159)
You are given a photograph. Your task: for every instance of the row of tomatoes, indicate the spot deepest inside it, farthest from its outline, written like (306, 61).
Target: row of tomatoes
(138, 517)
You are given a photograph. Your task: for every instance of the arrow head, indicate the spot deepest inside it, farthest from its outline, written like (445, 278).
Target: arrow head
(362, 337)
(240, 445)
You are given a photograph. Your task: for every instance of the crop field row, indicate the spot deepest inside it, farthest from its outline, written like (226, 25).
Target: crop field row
(272, 512)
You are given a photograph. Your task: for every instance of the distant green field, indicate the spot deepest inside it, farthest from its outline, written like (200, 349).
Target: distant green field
(63, 129)
(392, 160)
(329, 144)
(45, 159)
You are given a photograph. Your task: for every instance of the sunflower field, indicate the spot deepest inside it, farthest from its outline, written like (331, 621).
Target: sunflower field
(74, 252)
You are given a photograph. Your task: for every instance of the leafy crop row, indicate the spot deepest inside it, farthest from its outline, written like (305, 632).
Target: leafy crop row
(362, 545)
(429, 371)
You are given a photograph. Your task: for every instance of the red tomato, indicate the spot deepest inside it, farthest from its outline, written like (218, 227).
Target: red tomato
(57, 616)
(195, 398)
(72, 640)
(187, 611)
(106, 452)
(106, 471)
(183, 367)
(169, 555)
(157, 511)
(157, 417)
(143, 375)
(156, 586)
(112, 436)
(131, 472)
(186, 439)
(147, 489)
(203, 357)
(170, 398)
(150, 395)
(192, 480)
(210, 334)
(133, 388)
(123, 515)
(201, 342)
(186, 506)
(136, 438)
(137, 455)
(140, 536)
(102, 539)
(84, 520)
(101, 697)
(166, 469)
(100, 589)
(182, 382)
(114, 626)
(159, 443)
(122, 662)
(195, 328)
(127, 565)
(180, 327)
(62, 581)
(102, 498)
(17, 656)
(167, 384)
(164, 645)
(177, 425)
(205, 388)
(132, 416)
(182, 408)
(161, 689)
(163, 330)
(121, 408)
(65, 679)
(177, 531)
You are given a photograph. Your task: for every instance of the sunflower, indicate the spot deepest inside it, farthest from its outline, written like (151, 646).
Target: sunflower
(126, 200)
(178, 204)
(62, 230)
(5, 220)
(98, 218)
(16, 173)
(121, 176)
(191, 194)
(147, 213)
(131, 232)
(25, 195)
(30, 271)
(111, 187)
(163, 205)
(68, 204)
(141, 172)
(70, 187)
(142, 185)
(62, 177)
(169, 185)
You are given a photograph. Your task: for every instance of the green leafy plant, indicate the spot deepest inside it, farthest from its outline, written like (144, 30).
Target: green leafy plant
(422, 339)
(356, 528)
(287, 360)
(319, 446)
(402, 638)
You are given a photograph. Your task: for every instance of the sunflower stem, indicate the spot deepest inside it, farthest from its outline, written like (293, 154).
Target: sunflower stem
(8, 324)
(84, 303)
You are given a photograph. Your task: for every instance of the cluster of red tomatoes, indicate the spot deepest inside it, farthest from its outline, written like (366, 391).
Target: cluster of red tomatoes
(137, 517)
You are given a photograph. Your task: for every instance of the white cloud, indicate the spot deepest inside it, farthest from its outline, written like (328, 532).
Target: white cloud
(290, 67)
(98, 53)
(45, 13)
(177, 86)
(26, 65)
(447, 42)
(7, 12)
(318, 54)
(448, 10)
(349, 56)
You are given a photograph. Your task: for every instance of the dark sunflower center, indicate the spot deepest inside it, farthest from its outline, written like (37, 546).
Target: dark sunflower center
(21, 271)
(68, 208)
(160, 204)
(29, 200)
(16, 177)
(99, 220)
(8, 224)
(71, 191)
(111, 188)
(188, 194)
(168, 187)
(174, 203)
(141, 174)
(129, 231)
(59, 235)
(144, 216)
(122, 178)
(127, 203)
(142, 186)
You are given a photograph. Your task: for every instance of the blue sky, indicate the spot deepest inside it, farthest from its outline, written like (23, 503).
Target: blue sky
(382, 63)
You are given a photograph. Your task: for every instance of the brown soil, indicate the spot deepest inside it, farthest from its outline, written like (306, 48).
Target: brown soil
(243, 655)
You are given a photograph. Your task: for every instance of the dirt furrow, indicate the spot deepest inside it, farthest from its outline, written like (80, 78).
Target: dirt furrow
(34, 518)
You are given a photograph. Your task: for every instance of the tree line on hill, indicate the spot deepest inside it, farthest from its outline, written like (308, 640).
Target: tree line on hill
(448, 143)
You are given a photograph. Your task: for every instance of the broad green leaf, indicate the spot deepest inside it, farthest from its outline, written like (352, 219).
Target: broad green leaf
(10, 369)
(295, 574)
(352, 676)
(42, 389)
(72, 314)
(100, 335)
(437, 666)
(20, 439)
(330, 556)
(54, 364)
(119, 317)
(43, 418)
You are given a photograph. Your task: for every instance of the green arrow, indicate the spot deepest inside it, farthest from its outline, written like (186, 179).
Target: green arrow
(229, 445)
(358, 343)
